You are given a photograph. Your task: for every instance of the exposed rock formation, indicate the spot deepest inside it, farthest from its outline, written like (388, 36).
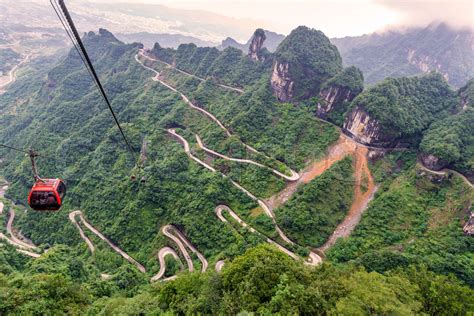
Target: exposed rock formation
(469, 226)
(332, 96)
(304, 61)
(256, 44)
(363, 128)
(466, 95)
(272, 40)
(432, 162)
(425, 63)
(281, 82)
(338, 92)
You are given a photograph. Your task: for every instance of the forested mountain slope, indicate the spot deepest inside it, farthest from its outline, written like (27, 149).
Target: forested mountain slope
(188, 112)
(411, 52)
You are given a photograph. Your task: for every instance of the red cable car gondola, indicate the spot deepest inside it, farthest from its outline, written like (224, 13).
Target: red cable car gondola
(46, 194)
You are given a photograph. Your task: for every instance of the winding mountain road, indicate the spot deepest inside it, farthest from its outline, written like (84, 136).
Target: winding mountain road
(161, 259)
(188, 102)
(345, 146)
(72, 217)
(20, 248)
(262, 204)
(173, 233)
(446, 171)
(313, 259)
(294, 175)
(12, 73)
(142, 53)
(21, 243)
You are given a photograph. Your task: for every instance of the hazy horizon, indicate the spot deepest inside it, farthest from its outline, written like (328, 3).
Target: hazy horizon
(337, 18)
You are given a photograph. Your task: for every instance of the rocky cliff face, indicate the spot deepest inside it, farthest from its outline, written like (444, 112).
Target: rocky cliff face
(425, 63)
(304, 61)
(281, 82)
(469, 226)
(432, 162)
(256, 44)
(331, 97)
(466, 95)
(365, 129)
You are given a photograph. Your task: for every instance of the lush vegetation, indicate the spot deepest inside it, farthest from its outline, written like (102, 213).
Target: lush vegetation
(398, 53)
(312, 60)
(230, 66)
(350, 78)
(452, 140)
(405, 107)
(263, 280)
(413, 221)
(60, 113)
(407, 256)
(314, 211)
(8, 59)
(467, 93)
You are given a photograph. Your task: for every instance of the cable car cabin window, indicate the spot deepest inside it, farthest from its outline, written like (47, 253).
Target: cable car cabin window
(61, 190)
(44, 200)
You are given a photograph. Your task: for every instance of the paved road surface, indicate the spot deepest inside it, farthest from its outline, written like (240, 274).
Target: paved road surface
(14, 238)
(12, 73)
(161, 259)
(313, 259)
(141, 53)
(294, 175)
(72, 216)
(182, 242)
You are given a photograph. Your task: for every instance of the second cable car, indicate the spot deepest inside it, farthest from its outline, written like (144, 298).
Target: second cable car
(46, 194)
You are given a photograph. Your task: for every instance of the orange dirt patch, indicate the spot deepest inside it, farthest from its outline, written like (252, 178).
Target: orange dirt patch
(364, 189)
(361, 199)
(338, 151)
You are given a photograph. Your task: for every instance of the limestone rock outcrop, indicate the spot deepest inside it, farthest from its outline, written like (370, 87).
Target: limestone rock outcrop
(304, 61)
(281, 82)
(364, 129)
(469, 226)
(432, 162)
(331, 97)
(256, 44)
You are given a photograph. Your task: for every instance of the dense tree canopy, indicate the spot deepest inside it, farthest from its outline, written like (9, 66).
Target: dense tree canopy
(407, 256)
(407, 106)
(312, 60)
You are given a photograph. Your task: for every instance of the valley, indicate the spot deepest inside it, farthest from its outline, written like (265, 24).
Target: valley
(248, 185)
(6, 80)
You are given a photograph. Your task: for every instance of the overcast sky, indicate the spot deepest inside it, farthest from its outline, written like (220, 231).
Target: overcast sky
(334, 17)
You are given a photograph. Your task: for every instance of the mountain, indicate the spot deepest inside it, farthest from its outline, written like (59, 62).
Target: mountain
(271, 42)
(129, 18)
(450, 141)
(239, 186)
(166, 40)
(399, 108)
(410, 52)
(8, 59)
(304, 60)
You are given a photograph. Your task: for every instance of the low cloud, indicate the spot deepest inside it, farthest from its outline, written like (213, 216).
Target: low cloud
(456, 13)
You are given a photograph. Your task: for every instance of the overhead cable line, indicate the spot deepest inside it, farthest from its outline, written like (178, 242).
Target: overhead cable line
(14, 148)
(65, 18)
